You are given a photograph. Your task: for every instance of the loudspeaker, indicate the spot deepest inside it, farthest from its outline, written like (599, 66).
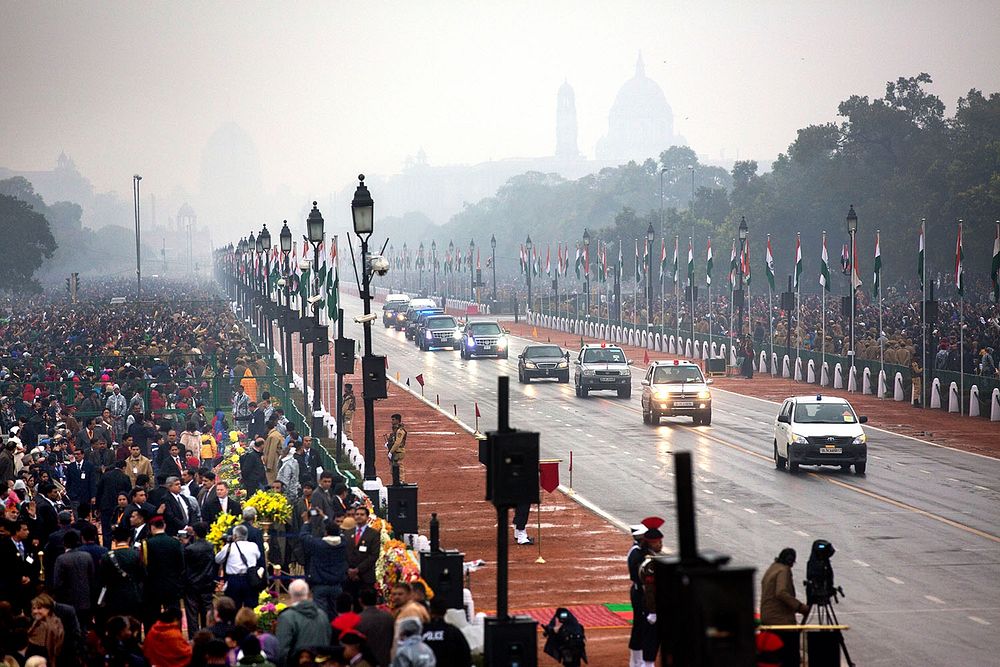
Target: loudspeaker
(403, 507)
(788, 301)
(513, 468)
(931, 309)
(442, 570)
(687, 292)
(373, 371)
(343, 356)
(737, 298)
(823, 647)
(845, 306)
(510, 643)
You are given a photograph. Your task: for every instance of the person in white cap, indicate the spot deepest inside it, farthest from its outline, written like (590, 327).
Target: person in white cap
(643, 643)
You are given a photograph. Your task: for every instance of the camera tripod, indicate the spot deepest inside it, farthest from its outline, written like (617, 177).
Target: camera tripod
(825, 615)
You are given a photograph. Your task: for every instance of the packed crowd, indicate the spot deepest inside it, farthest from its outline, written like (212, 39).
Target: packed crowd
(196, 531)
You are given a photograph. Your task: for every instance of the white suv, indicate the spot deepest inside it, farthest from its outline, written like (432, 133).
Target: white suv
(602, 368)
(672, 388)
(819, 431)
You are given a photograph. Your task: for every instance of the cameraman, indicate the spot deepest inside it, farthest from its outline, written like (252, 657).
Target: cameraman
(778, 604)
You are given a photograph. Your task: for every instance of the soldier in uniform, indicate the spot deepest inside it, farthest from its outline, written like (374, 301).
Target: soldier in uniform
(643, 643)
(396, 444)
(349, 405)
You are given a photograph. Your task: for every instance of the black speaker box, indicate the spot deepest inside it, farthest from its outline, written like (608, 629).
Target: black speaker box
(442, 570)
(403, 507)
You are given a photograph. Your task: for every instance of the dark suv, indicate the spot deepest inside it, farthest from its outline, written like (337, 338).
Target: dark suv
(413, 319)
(484, 338)
(437, 331)
(394, 304)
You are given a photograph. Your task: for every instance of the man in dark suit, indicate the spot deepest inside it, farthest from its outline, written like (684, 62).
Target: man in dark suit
(309, 460)
(176, 512)
(173, 463)
(18, 567)
(252, 468)
(163, 557)
(362, 552)
(53, 547)
(112, 483)
(81, 482)
(74, 578)
(199, 585)
(256, 427)
(219, 502)
(47, 514)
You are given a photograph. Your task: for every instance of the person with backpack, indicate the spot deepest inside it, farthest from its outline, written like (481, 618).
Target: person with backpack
(566, 640)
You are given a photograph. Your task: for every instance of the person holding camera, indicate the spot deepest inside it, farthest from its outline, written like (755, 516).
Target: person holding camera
(239, 559)
(565, 638)
(778, 604)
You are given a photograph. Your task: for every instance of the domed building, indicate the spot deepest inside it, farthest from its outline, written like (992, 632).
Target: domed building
(230, 182)
(640, 123)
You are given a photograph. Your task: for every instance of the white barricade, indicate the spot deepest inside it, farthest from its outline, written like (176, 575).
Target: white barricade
(798, 369)
(883, 389)
(995, 406)
(852, 379)
(687, 349)
(936, 394)
(974, 401)
(824, 375)
(954, 400)
(838, 376)
(811, 371)
(866, 381)
(897, 388)
(785, 370)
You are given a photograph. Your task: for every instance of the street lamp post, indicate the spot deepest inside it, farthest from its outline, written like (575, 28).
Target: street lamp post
(586, 267)
(852, 230)
(451, 253)
(649, 275)
(527, 245)
(406, 259)
(314, 228)
(434, 267)
(258, 289)
(253, 288)
(138, 263)
(493, 263)
(264, 238)
(472, 272)
(285, 245)
(744, 231)
(363, 214)
(420, 266)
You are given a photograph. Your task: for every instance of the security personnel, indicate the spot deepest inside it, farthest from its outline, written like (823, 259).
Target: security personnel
(643, 643)
(397, 449)
(349, 405)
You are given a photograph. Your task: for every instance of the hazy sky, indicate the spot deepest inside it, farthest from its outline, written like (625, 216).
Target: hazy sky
(328, 89)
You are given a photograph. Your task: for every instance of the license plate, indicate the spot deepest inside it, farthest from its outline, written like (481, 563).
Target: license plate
(683, 404)
(831, 450)
(607, 379)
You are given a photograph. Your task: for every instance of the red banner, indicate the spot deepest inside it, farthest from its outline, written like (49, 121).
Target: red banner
(548, 475)
(420, 379)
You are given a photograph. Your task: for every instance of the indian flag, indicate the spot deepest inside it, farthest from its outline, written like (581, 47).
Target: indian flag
(579, 262)
(798, 259)
(333, 284)
(690, 261)
(663, 259)
(769, 263)
(677, 243)
(732, 266)
(824, 268)
(920, 255)
(708, 264)
(959, 269)
(877, 278)
(995, 270)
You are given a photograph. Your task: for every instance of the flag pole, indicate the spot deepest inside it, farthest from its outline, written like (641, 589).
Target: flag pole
(922, 266)
(770, 314)
(960, 280)
(798, 299)
(881, 336)
(677, 293)
(822, 313)
(708, 280)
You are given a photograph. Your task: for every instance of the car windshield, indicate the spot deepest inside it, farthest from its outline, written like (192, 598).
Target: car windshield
(542, 351)
(603, 355)
(396, 305)
(824, 413)
(483, 328)
(671, 374)
(441, 322)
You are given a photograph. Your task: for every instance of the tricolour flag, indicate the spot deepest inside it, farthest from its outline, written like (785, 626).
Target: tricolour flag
(798, 261)
(663, 259)
(579, 262)
(638, 265)
(856, 269)
(746, 264)
(732, 267)
(708, 263)
(877, 278)
(548, 261)
(959, 269)
(621, 262)
(690, 260)
(677, 243)
(769, 263)
(995, 270)
(920, 256)
(333, 284)
(824, 268)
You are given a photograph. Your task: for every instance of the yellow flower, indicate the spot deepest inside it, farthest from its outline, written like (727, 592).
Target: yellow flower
(234, 458)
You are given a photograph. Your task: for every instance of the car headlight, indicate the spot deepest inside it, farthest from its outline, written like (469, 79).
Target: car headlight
(428, 335)
(799, 440)
(401, 317)
(625, 372)
(471, 341)
(502, 341)
(564, 364)
(661, 393)
(587, 371)
(704, 393)
(529, 364)
(457, 335)
(860, 440)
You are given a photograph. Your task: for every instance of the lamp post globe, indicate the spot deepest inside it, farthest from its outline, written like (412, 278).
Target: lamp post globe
(253, 243)
(852, 220)
(314, 226)
(363, 209)
(285, 238)
(649, 274)
(265, 239)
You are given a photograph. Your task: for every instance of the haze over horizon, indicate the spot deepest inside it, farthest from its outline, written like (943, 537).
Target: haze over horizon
(326, 92)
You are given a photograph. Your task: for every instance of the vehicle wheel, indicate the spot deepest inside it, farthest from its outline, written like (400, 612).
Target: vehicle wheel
(458, 347)
(779, 462)
(647, 418)
(859, 468)
(505, 355)
(520, 376)
(625, 393)
(584, 392)
(706, 418)
(579, 394)
(696, 420)
(793, 466)
(564, 379)
(655, 417)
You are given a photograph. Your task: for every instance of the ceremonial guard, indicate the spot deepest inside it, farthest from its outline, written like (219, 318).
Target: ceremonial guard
(349, 405)
(643, 643)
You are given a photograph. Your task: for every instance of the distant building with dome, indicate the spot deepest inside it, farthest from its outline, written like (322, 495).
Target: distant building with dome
(640, 122)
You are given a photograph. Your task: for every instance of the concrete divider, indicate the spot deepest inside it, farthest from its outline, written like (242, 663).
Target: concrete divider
(672, 349)
(838, 376)
(852, 379)
(658, 343)
(824, 375)
(897, 388)
(811, 372)
(688, 348)
(785, 370)
(866, 382)
(798, 369)
(732, 356)
(775, 366)
(954, 400)
(974, 401)
(704, 351)
(995, 405)
(936, 394)
(715, 350)
(883, 389)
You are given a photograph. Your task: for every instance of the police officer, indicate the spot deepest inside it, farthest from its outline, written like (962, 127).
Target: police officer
(643, 644)
(349, 405)
(396, 445)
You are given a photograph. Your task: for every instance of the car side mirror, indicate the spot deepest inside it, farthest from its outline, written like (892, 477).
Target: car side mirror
(520, 356)
(784, 419)
(709, 381)
(566, 354)
(628, 361)
(863, 419)
(644, 383)
(577, 362)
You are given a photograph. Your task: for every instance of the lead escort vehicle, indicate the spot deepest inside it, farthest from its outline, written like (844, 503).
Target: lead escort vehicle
(395, 304)
(819, 431)
(675, 388)
(602, 368)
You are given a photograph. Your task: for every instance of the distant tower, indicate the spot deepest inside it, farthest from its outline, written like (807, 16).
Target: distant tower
(566, 132)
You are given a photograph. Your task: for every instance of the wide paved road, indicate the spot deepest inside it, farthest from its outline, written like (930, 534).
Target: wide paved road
(917, 539)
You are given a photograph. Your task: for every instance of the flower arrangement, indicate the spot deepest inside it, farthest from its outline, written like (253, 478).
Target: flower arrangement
(271, 506)
(267, 610)
(219, 528)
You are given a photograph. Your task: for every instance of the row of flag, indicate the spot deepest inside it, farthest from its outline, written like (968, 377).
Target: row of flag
(327, 277)
(532, 261)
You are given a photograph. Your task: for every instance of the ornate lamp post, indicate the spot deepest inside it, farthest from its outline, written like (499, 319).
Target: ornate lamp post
(586, 268)
(314, 229)
(744, 232)
(527, 245)
(434, 267)
(649, 274)
(451, 253)
(138, 262)
(493, 263)
(852, 230)
(420, 266)
(285, 245)
(363, 214)
(472, 272)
